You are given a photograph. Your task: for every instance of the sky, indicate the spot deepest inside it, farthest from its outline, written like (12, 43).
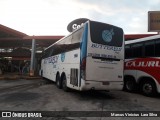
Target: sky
(51, 17)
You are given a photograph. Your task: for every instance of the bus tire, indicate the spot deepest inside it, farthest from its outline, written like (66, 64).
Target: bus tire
(148, 88)
(58, 81)
(64, 84)
(129, 84)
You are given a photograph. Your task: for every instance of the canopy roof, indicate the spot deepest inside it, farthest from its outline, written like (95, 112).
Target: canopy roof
(10, 38)
(13, 39)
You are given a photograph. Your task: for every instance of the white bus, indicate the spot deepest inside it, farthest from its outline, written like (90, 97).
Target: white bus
(90, 58)
(142, 65)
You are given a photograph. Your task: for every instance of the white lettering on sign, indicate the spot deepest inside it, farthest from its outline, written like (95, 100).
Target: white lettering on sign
(75, 26)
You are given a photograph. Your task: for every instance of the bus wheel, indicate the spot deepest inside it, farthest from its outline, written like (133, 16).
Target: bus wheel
(148, 88)
(64, 84)
(58, 82)
(130, 85)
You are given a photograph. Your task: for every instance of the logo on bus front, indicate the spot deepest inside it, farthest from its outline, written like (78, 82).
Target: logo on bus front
(62, 57)
(107, 35)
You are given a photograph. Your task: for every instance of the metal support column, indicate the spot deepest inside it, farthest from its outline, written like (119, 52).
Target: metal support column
(32, 65)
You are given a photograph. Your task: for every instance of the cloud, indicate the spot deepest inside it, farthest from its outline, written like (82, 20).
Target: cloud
(51, 17)
(130, 15)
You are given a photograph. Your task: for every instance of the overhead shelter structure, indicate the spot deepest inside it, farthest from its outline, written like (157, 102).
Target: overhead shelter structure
(15, 45)
(18, 46)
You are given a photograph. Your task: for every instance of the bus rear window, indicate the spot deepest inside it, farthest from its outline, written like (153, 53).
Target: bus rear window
(106, 34)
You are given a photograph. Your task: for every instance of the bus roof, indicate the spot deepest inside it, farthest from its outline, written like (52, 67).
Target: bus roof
(142, 39)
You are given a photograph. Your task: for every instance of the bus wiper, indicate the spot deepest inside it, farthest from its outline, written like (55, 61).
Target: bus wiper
(106, 59)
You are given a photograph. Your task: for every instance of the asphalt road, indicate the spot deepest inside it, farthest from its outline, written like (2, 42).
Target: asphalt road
(41, 95)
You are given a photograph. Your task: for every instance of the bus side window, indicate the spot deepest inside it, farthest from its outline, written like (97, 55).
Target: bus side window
(157, 46)
(128, 51)
(47, 53)
(137, 50)
(149, 49)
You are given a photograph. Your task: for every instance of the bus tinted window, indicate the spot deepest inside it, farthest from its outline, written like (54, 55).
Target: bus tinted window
(149, 48)
(157, 47)
(106, 34)
(46, 53)
(128, 51)
(137, 50)
(67, 44)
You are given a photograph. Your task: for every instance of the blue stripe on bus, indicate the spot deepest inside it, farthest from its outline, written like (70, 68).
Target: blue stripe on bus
(83, 48)
(83, 45)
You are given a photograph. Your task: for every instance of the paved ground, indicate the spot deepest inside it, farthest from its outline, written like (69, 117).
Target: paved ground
(41, 95)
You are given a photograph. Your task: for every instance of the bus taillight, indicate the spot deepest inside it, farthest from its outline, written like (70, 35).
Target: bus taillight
(83, 65)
